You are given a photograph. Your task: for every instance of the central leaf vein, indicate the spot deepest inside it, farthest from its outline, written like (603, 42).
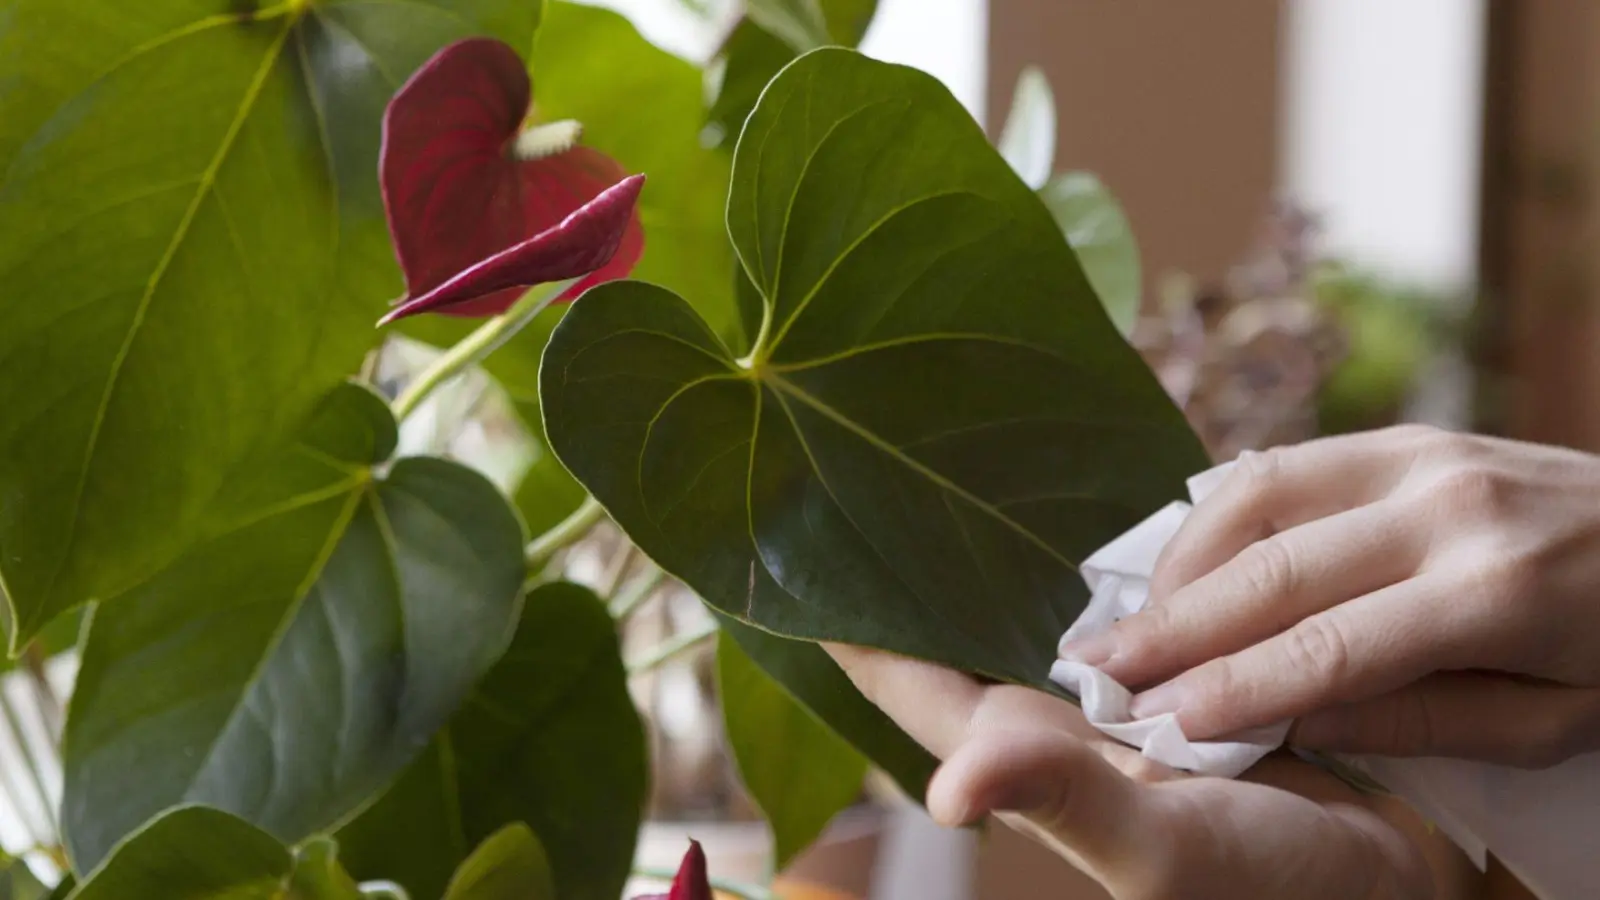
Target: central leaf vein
(202, 190)
(931, 475)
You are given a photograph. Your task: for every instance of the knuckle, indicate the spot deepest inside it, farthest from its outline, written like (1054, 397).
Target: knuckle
(1319, 646)
(1267, 569)
(1440, 444)
(1470, 490)
(1508, 580)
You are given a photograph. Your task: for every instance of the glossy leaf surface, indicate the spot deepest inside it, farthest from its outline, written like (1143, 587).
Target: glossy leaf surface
(798, 770)
(1098, 230)
(937, 423)
(549, 737)
(302, 654)
(509, 865)
(177, 168)
(192, 853)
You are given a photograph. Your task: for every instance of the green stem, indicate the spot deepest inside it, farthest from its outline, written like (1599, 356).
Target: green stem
(567, 531)
(741, 889)
(670, 648)
(636, 592)
(474, 347)
(29, 761)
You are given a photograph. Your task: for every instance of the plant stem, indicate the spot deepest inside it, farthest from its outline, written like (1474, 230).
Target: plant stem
(474, 347)
(30, 762)
(636, 592)
(382, 890)
(670, 648)
(567, 531)
(741, 889)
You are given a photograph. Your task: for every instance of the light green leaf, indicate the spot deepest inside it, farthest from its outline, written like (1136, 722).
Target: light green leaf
(549, 737)
(304, 652)
(1099, 233)
(937, 422)
(509, 865)
(798, 770)
(194, 253)
(1028, 140)
(191, 853)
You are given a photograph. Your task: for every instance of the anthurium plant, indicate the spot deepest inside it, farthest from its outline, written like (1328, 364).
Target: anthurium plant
(820, 350)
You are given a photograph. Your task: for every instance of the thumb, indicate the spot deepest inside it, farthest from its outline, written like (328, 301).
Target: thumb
(1484, 716)
(1073, 799)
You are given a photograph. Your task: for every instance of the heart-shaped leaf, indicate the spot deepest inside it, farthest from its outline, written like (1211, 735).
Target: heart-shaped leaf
(192, 853)
(305, 651)
(1098, 231)
(509, 865)
(798, 23)
(798, 770)
(937, 420)
(194, 253)
(549, 737)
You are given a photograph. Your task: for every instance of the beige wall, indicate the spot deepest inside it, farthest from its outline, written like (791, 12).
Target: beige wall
(1174, 105)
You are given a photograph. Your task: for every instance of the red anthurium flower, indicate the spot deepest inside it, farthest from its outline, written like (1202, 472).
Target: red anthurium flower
(481, 209)
(692, 882)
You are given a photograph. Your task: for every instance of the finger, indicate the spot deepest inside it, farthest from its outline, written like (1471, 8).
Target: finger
(933, 704)
(1465, 715)
(1083, 806)
(1276, 490)
(1368, 646)
(1261, 592)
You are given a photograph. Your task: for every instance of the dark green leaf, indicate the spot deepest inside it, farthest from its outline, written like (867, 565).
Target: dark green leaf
(549, 737)
(1099, 233)
(937, 423)
(17, 881)
(191, 853)
(1028, 140)
(509, 865)
(798, 770)
(194, 253)
(318, 875)
(811, 676)
(303, 653)
(752, 55)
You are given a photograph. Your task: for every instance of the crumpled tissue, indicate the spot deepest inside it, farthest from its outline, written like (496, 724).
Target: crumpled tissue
(1540, 823)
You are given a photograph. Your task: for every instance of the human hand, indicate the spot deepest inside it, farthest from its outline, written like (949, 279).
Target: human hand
(1406, 592)
(1140, 829)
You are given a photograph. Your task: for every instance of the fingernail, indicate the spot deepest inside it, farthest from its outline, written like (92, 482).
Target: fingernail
(1090, 651)
(1157, 701)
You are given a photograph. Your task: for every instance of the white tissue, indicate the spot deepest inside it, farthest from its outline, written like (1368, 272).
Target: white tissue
(1540, 824)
